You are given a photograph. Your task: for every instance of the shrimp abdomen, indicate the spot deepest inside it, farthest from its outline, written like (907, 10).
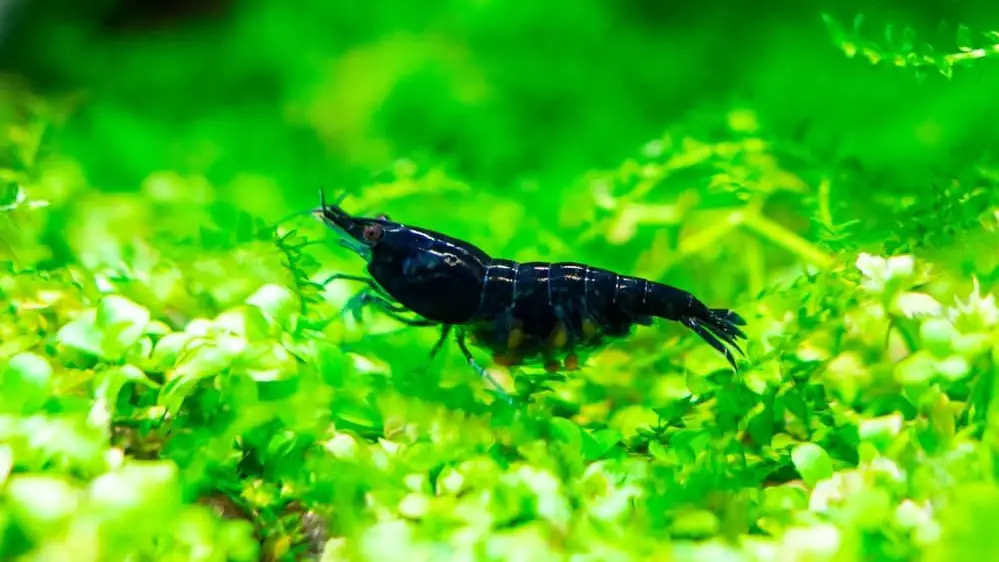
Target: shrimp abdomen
(536, 309)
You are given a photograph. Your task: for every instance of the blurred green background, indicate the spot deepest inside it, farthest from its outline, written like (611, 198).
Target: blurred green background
(527, 104)
(311, 93)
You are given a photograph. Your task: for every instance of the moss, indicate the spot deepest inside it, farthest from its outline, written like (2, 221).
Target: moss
(177, 383)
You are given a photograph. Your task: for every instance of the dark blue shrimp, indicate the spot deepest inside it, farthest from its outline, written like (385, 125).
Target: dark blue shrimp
(521, 312)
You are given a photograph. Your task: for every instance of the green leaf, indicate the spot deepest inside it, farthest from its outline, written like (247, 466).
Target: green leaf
(246, 322)
(953, 368)
(881, 431)
(596, 444)
(274, 384)
(276, 302)
(658, 451)
(333, 364)
(41, 503)
(630, 419)
(82, 334)
(699, 523)
(108, 331)
(908, 42)
(858, 24)
(676, 409)
(835, 30)
(169, 349)
(814, 542)
(964, 41)
(109, 386)
(359, 415)
(937, 336)
(761, 427)
(688, 444)
(25, 383)
(568, 432)
(795, 403)
(945, 68)
(916, 369)
(205, 361)
(122, 322)
(142, 497)
(812, 462)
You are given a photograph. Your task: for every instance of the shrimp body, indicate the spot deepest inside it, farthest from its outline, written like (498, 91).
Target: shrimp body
(553, 312)
(523, 313)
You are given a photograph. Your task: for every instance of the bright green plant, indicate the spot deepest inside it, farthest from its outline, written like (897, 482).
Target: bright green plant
(904, 49)
(177, 383)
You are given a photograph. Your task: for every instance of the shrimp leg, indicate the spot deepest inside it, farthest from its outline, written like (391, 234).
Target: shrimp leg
(368, 297)
(373, 295)
(479, 369)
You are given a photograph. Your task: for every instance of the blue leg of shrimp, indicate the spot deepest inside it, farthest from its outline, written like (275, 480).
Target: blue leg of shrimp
(372, 286)
(368, 298)
(445, 330)
(440, 341)
(479, 369)
(371, 296)
(346, 277)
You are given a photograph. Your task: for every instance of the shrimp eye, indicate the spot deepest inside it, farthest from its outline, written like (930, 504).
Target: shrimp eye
(383, 217)
(372, 232)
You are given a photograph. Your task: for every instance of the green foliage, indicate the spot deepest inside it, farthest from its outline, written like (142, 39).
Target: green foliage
(178, 383)
(903, 48)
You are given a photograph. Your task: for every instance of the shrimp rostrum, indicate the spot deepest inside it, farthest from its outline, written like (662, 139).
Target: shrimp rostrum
(524, 313)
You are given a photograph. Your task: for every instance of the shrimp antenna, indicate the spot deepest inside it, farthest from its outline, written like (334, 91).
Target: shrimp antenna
(293, 215)
(322, 207)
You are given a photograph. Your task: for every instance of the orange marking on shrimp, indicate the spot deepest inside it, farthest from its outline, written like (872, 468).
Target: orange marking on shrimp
(572, 362)
(552, 366)
(506, 359)
(559, 336)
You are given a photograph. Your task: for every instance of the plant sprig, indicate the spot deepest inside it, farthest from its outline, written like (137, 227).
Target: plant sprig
(904, 49)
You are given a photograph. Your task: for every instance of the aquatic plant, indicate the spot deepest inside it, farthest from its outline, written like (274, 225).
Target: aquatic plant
(176, 383)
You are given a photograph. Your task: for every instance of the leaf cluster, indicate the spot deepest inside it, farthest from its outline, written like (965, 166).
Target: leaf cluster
(901, 47)
(177, 382)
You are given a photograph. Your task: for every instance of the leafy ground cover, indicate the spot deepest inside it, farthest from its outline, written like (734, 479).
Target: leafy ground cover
(176, 385)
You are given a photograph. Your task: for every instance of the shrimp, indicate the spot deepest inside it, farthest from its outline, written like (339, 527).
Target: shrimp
(524, 313)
